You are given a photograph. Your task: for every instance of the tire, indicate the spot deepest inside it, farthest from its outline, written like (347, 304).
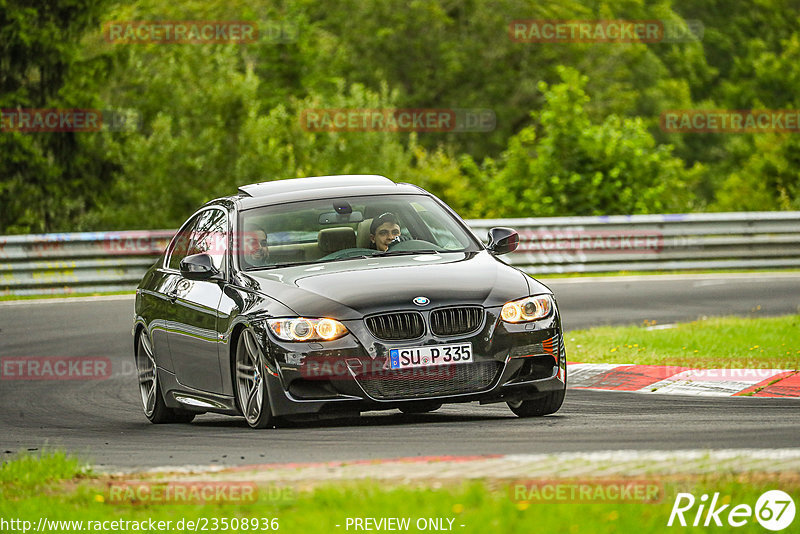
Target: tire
(251, 387)
(421, 407)
(548, 404)
(155, 409)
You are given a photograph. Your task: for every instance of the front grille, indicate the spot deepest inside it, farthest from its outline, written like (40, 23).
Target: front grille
(456, 321)
(424, 382)
(396, 326)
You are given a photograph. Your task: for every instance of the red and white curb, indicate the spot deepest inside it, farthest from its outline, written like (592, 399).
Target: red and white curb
(683, 380)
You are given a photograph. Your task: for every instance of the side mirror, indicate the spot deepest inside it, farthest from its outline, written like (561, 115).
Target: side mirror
(502, 240)
(198, 267)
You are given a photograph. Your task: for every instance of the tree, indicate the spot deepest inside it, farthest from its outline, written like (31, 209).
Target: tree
(769, 179)
(49, 179)
(568, 165)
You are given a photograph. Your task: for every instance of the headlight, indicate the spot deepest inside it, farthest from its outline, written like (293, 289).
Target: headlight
(302, 329)
(527, 309)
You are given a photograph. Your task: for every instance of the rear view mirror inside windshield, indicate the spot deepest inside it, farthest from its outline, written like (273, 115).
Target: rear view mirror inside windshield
(341, 218)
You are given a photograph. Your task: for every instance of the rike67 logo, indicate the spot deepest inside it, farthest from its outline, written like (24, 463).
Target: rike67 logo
(774, 510)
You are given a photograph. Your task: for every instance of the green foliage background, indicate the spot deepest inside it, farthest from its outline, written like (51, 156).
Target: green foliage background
(577, 124)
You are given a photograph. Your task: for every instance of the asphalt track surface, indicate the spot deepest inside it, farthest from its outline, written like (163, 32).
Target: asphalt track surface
(101, 420)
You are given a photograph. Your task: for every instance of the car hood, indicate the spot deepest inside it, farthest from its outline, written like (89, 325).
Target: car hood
(354, 288)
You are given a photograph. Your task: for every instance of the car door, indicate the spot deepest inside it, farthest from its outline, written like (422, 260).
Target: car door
(193, 333)
(157, 298)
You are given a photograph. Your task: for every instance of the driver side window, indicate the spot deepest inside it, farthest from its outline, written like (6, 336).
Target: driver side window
(206, 233)
(179, 247)
(210, 236)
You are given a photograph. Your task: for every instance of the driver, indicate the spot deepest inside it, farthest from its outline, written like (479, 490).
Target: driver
(256, 253)
(383, 230)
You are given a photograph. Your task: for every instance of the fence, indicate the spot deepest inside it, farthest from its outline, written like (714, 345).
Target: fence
(115, 261)
(708, 241)
(85, 262)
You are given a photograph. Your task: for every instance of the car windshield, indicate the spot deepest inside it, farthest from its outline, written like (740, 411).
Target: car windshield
(341, 229)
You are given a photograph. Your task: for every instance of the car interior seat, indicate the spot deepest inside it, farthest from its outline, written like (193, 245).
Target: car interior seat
(335, 239)
(362, 239)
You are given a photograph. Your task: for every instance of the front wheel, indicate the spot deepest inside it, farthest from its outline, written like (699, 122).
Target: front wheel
(548, 404)
(150, 389)
(251, 387)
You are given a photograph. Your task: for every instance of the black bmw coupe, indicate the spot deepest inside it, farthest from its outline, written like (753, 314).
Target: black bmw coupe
(334, 295)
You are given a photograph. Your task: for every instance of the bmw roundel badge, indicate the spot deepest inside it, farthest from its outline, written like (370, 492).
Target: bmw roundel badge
(421, 301)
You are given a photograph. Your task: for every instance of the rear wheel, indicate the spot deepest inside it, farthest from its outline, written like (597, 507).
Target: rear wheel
(548, 404)
(251, 387)
(150, 389)
(422, 407)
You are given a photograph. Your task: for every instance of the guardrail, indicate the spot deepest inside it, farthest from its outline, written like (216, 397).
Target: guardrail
(747, 240)
(85, 262)
(115, 261)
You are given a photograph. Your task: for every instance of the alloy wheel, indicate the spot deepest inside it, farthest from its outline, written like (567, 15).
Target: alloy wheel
(249, 376)
(147, 373)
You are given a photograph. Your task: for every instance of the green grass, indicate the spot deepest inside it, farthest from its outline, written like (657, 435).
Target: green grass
(30, 489)
(24, 476)
(28, 471)
(722, 342)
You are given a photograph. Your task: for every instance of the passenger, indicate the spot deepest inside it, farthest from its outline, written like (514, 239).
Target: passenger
(383, 230)
(256, 252)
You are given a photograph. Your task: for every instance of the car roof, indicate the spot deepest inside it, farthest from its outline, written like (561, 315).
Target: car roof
(319, 187)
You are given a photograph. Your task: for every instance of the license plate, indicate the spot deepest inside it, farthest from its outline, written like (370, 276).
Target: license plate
(431, 355)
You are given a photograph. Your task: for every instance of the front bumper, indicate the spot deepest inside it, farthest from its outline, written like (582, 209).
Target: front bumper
(511, 362)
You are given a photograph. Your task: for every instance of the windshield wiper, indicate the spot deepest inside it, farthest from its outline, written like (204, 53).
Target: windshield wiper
(294, 264)
(404, 252)
(279, 265)
(359, 257)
